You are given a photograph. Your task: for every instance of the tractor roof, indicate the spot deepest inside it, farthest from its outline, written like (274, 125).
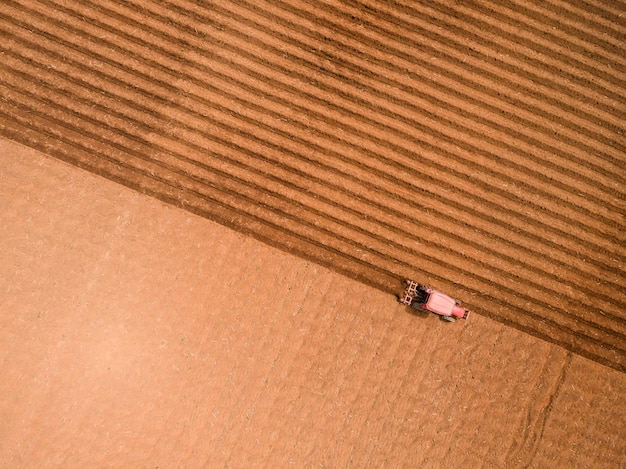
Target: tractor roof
(440, 303)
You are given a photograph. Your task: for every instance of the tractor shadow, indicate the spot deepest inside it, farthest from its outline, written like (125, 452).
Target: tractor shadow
(420, 313)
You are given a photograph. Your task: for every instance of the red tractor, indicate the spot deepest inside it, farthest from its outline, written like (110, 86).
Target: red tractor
(427, 299)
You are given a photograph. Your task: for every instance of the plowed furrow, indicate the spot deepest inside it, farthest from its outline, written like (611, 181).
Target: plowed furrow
(333, 229)
(191, 196)
(581, 128)
(317, 204)
(483, 202)
(579, 208)
(450, 34)
(482, 18)
(571, 261)
(357, 135)
(437, 106)
(307, 47)
(586, 17)
(361, 41)
(559, 42)
(604, 28)
(462, 55)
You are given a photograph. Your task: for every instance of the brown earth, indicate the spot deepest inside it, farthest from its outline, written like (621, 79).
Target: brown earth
(135, 334)
(473, 147)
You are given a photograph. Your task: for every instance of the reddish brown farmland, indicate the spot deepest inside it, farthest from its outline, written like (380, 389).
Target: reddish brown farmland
(475, 147)
(136, 334)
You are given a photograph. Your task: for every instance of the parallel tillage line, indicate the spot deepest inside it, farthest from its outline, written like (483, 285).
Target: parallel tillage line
(283, 210)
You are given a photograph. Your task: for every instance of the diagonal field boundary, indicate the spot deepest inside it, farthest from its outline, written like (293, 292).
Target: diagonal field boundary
(478, 148)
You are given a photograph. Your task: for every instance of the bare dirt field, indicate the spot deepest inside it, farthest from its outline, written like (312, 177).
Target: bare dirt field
(135, 334)
(475, 147)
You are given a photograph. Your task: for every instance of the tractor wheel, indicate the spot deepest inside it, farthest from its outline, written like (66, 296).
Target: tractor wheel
(449, 318)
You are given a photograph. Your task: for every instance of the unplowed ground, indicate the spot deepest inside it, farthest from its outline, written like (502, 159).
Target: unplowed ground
(475, 147)
(137, 335)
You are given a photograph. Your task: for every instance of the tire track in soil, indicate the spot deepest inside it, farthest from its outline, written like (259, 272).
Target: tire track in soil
(325, 186)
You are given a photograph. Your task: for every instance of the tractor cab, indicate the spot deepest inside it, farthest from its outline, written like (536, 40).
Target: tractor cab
(428, 299)
(440, 303)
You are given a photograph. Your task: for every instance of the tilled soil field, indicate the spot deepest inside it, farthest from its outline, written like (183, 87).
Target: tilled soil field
(475, 147)
(135, 334)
